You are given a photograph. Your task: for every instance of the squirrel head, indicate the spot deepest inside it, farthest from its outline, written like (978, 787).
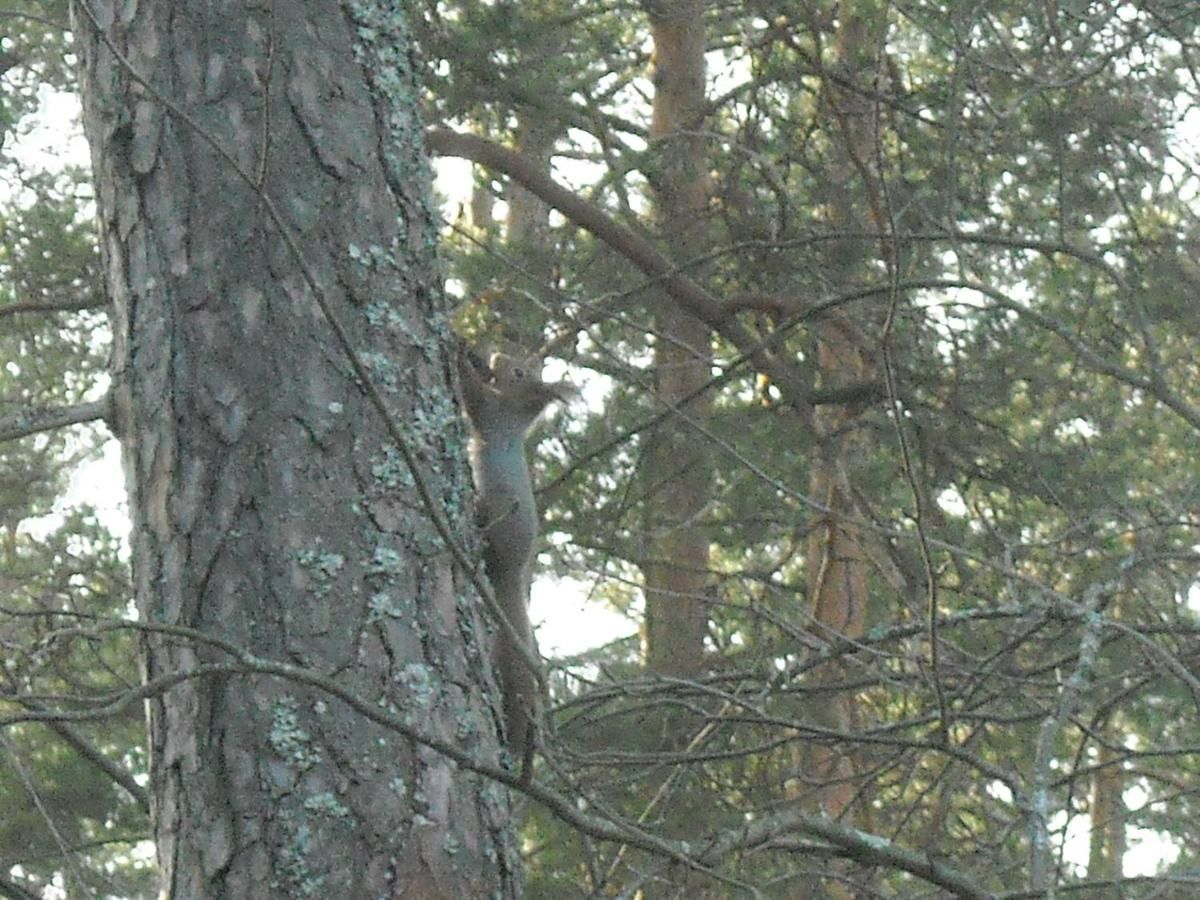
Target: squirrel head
(521, 388)
(508, 394)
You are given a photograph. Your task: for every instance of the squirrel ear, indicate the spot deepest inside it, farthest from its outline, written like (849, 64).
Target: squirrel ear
(477, 363)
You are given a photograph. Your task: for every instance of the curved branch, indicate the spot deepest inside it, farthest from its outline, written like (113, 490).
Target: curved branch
(15, 890)
(691, 296)
(242, 661)
(1153, 383)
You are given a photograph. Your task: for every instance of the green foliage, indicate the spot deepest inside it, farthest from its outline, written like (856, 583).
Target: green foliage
(34, 55)
(63, 816)
(63, 819)
(1035, 169)
(999, 199)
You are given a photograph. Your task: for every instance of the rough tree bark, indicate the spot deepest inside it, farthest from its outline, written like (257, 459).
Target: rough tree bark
(675, 470)
(271, 508)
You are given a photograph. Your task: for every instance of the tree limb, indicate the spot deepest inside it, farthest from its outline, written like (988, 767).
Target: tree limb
(92, 754)
(860, 846)
(691, 296)
(12, 309)
(14, 890)
(34, 421)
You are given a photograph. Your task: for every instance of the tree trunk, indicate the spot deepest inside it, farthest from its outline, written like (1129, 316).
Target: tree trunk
(528, 222)
(528, 236)
(676, 473)
(837, 560)
(527, 231)
(1107, 845)
(270, 507)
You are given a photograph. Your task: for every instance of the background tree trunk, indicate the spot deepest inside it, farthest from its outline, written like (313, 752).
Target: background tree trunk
(837, 558)
(271, 509)
(676, 473)
(1107, 844)
(527, 232)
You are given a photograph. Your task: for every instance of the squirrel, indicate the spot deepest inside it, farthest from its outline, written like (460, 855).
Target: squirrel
(502, 402)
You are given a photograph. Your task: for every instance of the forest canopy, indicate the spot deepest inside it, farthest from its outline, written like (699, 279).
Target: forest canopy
(884, 321)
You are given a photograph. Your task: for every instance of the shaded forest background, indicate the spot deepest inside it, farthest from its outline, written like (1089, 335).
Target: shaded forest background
(886, 317)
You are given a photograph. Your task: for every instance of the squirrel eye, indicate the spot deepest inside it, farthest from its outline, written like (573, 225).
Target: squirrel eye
(518, 372)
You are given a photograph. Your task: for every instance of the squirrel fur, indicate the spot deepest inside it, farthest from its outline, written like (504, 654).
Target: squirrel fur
(502, 401)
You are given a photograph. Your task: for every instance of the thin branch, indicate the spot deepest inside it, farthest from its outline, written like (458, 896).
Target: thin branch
(858, 845)
(92, 754)
(1093, 887)
(41, 20)
(35, 421)
(891, 245)
(14, 890)
(1152, 384)
(1070, 700)
(12, 309)
(30, 784)
(242, 661)
(1176, 667)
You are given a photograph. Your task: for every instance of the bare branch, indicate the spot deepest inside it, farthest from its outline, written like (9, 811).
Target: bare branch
(1070, 700)
(92, 754)
(12, 309)
(1153, 384)
(860, 846)
(243, 661)
(694, 298)
(35, 421)
(14, 890)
